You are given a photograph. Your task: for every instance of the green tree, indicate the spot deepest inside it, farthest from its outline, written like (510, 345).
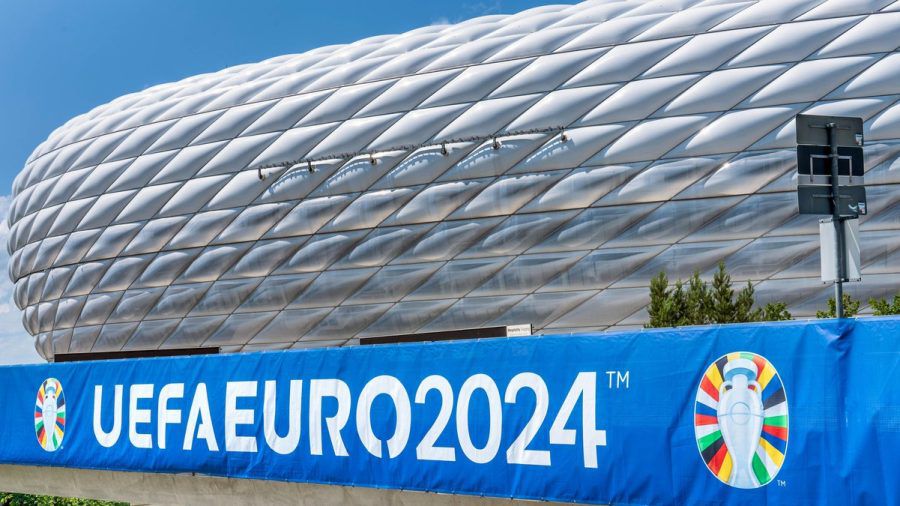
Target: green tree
(851, 307)
(699, 303)
(723, 295)
(882, 307)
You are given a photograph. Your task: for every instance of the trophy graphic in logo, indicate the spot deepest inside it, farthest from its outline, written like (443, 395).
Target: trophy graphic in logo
(741, 420)
(50, 415)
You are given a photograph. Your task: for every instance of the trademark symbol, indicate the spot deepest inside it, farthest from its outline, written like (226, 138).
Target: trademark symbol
(782, 483)
(618, 379)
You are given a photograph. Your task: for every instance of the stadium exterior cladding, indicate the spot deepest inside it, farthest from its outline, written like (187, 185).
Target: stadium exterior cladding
(144, 223)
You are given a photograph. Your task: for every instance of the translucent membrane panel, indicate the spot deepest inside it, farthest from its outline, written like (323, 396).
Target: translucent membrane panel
(264, 257)
(288, 326)
(601, 268)
(474, 83)
(650, 139)
(202, 228)
(408, 92)
(661, 181)
(491, 159)
(332, 287)
(370, 209)
(471, 312)
(582, 187)
(344, 103)
(707, 51)
(562, 107)
(638, 99)
(150, 334)
(486, 117)
(569, 149)
(178, 300)
(527, 273)
(742, 174)
(147, 202)
(424, 165)
(122, 272)
(237, 328)
(83, 339)
(232, 122)
(320, 252)
(751, 217)
(353, 135)
(809, 81)
(447, 239)
(697, 19)
(792, 42)
(672, 221)
(275, 292)
(135, 304)
(114, 336)
(309, 215)
(192, 332)
(358, 173)
(392, 283)
(381, 246)
(186, 163)
(613, 31)
(540, 309)
(878, 79)
(183, 131)
(406, 317)
(237, 154)
(625, 62)
(345, 321)
(253, 222)
(223, 297)
(517, 233)
(606, 308)
(768, 255)
(286, 113)
(721, 90)
(541, 42)
(165, 267)
(506, 195)
(458, 277)
(680, 261)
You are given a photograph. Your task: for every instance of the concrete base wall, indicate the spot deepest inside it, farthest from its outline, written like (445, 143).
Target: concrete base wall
(151, 488)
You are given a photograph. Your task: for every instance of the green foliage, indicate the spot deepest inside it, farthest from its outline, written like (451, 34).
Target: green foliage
(699, 303)
(14, 499)
(851, 307)
(882, 307)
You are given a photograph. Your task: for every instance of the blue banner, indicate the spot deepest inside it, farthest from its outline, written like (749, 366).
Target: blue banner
(780, 413)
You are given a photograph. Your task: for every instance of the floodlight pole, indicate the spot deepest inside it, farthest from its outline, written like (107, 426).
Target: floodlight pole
(837, 220)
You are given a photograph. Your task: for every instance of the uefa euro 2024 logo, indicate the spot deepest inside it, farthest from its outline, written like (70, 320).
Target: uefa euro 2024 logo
(50, 415)
(741, 420)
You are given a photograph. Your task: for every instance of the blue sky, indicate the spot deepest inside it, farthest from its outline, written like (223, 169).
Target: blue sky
(60, 58)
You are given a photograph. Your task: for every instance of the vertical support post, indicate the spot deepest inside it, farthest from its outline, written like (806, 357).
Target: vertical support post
(837, 220)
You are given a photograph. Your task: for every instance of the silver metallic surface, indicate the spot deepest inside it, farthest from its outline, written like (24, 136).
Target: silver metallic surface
(144, 224)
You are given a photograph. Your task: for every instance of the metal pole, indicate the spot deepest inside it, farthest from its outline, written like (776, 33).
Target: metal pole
(838, 222)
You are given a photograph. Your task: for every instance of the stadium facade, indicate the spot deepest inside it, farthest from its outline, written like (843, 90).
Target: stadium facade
(535, 168)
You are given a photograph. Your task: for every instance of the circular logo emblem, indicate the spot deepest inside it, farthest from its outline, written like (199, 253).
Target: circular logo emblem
(50, 415)
(741, 420)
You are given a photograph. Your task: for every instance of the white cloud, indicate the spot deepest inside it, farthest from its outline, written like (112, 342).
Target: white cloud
(16, 346)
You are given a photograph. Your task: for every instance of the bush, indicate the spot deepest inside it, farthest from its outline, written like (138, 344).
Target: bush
(14, 499)
(851, 307)
(882, 307)
(700, 304)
